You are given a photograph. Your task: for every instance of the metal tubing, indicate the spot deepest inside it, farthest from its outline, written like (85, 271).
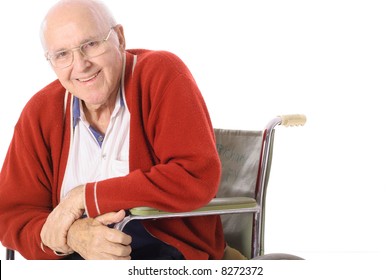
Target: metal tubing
(129, 218)
(262, 184)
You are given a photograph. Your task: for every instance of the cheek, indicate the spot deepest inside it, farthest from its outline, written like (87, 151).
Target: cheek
(63, 76)
(113, 71)
(67, 83)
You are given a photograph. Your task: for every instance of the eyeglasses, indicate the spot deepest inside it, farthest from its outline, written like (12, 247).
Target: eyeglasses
(64, 58)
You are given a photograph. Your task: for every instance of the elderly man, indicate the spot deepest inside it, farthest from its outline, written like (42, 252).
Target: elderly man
(118, 129)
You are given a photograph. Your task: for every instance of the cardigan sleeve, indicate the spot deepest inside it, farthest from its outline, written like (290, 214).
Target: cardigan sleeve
(26, 182)
(173, 159)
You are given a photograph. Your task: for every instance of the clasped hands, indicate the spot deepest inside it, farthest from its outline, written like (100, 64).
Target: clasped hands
(64, 232)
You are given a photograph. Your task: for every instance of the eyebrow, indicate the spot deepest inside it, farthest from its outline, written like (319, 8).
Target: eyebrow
(90, 39)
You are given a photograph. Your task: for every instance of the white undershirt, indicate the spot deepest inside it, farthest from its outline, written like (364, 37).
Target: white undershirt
(87, 161)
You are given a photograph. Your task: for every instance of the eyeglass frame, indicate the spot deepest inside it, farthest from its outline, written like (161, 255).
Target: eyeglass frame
(79, 48)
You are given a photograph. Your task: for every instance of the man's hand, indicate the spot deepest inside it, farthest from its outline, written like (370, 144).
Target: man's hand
(54, 231)
(92, 239)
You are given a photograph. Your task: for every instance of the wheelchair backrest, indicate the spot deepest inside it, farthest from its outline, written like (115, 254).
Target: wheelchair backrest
(239, 152)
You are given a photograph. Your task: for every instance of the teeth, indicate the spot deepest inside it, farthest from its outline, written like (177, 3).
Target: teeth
(88, 79)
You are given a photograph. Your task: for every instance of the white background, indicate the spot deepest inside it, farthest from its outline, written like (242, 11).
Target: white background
(253, 60)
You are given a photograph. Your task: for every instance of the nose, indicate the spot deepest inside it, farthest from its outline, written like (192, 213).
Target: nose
(80, 60)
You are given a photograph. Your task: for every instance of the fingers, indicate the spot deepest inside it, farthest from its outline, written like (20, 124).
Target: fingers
(111, 218)
(118, 244)
(106, 256)
(116, 250)
(94, 240)
(55, 229)
(116, 236)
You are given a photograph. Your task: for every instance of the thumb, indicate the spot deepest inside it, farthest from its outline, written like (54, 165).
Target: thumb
(111, 217)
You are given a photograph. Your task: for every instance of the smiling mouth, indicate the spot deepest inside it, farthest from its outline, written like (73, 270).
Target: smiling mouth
(89, 78)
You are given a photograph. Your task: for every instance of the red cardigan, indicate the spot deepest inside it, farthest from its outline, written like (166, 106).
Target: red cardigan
(174, 165)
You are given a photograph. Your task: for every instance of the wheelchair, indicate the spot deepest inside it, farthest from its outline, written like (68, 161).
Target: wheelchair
(246, 158)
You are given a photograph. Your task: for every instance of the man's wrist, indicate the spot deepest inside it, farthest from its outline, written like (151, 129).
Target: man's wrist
(76, 198)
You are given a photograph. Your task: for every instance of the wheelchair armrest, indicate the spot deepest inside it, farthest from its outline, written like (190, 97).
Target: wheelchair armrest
(216, 204)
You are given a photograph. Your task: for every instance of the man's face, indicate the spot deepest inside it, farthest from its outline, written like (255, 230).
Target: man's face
(94, 80)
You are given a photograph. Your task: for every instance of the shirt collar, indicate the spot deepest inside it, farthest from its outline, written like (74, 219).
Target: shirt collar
(77, 108)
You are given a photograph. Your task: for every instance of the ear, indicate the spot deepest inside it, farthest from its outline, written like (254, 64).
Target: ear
(121, 36)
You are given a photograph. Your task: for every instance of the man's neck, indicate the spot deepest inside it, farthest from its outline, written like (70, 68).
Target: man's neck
(99, 116)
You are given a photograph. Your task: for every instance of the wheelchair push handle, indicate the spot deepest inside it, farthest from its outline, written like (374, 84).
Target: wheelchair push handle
(293, 120)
